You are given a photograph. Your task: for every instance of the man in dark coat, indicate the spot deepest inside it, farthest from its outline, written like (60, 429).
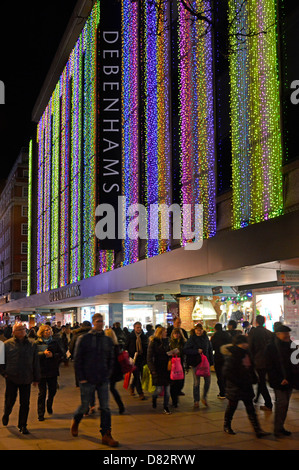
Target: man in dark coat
(279, 369)
(218, 339)
(136, 345)
(20, 370)
(94, 358)
(239, 376)
(259, 338)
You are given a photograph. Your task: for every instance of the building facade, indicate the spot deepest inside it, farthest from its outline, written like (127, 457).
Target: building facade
(162, 104)
(14, 232)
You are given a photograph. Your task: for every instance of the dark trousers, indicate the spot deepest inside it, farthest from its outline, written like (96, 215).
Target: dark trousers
(282, 400)
(11, 392)
(262, 388)
(231, 408)
(116, 395)
(218, 365)
(50, 384)
(137, 374)
(175, 390)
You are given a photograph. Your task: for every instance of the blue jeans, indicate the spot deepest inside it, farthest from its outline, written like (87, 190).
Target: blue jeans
(159, 389)
(196, 385)
(87, 390)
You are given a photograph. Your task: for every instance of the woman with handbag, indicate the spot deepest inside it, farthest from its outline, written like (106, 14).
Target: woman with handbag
(157, 361)
(177, 341)
(199, 344)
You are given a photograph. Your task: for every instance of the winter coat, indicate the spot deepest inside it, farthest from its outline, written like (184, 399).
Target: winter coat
(238, 373)
(258, 340)
(21, 361)
(219, 339)
(195, 343)
(130, 346)
(94, 357)
(157, 361)
(278, 364)
(49, 366)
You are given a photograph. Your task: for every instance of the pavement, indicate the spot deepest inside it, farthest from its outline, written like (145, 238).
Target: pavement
(141, 428)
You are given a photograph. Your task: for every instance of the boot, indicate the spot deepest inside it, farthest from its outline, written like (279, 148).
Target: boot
(108, 440)
(229, 413)
(74, 428)
(256, 426)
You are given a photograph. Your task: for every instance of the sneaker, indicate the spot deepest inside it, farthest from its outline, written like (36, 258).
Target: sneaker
(221, 397)
(108, 440)
(24, 430)
(166, 411)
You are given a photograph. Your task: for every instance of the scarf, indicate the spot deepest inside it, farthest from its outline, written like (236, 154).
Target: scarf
(139, 349)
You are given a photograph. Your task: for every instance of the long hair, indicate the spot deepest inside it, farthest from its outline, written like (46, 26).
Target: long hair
(178, 330)
(41, 330)
(158, 333)
(109, 332)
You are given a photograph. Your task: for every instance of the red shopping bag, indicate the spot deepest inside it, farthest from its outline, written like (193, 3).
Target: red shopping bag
(126, 362)
(203, 369)
(127, 380)
(176, 372)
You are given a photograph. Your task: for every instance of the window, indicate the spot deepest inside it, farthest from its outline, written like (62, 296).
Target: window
(24, 266)
(24, 211)
(24, 285)
(24, 229)
(24, 248)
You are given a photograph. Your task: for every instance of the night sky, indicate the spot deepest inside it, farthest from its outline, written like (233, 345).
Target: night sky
(30, 33)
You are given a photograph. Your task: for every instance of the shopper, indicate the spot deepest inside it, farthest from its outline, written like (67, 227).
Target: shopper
(21, 369)
(232, 329)
(136, 345)
(239, 376)
(279, 370)
(116, 375)
(177, 323)
(157, 361)
(219, 338)
(120, 335)
(258, 339)
(94, 358)
(197, 344)
(177, 341)
(50, 356)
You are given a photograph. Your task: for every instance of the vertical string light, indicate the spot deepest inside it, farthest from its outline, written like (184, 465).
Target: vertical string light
(255, 117)
(157, 109)
(66, 170)
(197, 139)
(29, 236)
(130, 119)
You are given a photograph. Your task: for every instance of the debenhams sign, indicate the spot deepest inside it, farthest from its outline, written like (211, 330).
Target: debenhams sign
(65, 293)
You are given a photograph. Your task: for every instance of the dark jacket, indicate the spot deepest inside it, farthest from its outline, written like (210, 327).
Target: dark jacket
(130, 346)
(157, 360)
(94, 356)
(238, 373)
(199, 342)
(278, 364)
(218, 339)
(49, 366)
(258, 340)
(21, 361)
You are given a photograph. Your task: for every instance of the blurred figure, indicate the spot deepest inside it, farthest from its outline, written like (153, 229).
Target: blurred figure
(21, 369)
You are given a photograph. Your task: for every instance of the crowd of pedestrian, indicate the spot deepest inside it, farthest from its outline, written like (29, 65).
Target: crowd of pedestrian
(244, 361)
